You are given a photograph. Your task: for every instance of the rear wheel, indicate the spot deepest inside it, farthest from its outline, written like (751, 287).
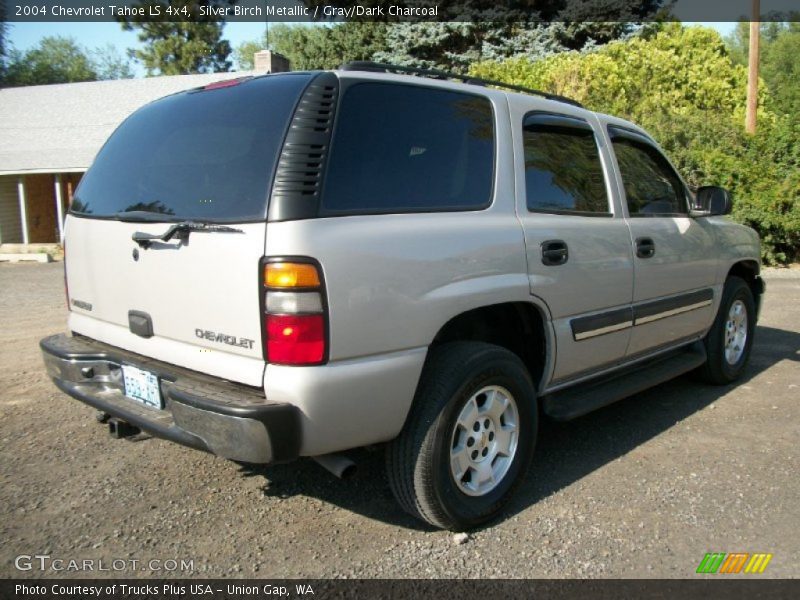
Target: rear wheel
(730, 339)
(469, 438)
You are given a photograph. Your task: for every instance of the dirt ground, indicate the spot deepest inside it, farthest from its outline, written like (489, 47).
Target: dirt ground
(643, 488)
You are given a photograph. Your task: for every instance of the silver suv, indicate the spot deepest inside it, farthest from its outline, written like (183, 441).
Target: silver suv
(300, 264)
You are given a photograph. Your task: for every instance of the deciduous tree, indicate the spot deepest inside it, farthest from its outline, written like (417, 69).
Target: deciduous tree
(780, 67)
(54, 59)
(110, 63)
(317, 46)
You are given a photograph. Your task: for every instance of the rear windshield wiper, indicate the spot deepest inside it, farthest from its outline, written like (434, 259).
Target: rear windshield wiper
(181, 231)
(144, 216)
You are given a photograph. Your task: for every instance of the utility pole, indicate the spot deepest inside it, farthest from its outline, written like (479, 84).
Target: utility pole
(752, 69)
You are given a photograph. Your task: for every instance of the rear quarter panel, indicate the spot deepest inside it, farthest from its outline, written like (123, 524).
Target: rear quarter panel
(394, 279)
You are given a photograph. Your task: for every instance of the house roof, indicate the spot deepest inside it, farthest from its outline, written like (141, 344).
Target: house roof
(60, 128)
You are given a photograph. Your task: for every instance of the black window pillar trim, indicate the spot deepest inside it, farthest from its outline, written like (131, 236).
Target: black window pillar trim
(297, 186)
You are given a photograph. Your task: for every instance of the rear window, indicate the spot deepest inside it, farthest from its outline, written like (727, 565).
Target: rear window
(404, 148)
(206, 155)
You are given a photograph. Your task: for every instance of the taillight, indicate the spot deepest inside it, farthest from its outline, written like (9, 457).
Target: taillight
(295, 321)
(287, 275)
(295, 339)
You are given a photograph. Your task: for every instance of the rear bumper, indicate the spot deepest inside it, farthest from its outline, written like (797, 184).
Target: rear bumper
(230, 420)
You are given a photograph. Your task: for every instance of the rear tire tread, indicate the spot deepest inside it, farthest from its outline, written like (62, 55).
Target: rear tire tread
(410, 457)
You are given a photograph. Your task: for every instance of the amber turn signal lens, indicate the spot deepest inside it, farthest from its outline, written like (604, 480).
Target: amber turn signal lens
(291, 275)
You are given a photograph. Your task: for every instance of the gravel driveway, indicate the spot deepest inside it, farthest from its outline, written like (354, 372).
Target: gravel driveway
(643, 488)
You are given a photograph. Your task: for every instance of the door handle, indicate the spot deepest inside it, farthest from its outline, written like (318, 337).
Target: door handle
(554, 253)
(645, 247)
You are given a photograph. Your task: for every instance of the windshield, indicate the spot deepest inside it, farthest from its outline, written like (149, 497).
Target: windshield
(204, 155)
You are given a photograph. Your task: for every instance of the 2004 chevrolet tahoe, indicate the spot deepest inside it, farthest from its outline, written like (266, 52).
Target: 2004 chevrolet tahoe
(299, 264)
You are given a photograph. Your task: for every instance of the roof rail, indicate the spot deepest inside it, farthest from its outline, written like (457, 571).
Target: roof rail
(365, 65)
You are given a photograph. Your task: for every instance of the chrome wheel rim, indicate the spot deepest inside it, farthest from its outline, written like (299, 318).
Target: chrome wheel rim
(735, 332)
(484, 440)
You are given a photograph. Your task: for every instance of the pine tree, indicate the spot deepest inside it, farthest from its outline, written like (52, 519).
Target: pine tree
(181, 47)
(454, 46)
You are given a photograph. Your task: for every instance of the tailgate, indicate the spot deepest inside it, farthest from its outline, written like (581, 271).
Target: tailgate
(201, 297)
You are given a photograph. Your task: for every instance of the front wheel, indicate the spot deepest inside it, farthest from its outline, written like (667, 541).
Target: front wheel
(469, 438)
(730, 338)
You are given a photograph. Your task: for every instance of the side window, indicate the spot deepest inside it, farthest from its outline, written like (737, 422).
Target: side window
(651, 185)
(405, 148)
(563, 172)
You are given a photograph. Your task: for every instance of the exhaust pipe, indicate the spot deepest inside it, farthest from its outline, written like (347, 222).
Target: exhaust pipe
(341, 466)
(121, 429)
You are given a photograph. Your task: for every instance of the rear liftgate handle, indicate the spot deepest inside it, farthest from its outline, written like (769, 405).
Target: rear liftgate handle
(554, 253)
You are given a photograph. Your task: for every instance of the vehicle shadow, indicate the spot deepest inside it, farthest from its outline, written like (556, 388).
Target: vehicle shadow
(566, 452)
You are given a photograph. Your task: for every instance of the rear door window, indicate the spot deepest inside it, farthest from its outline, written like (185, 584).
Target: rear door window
(563, 171)
(206, 155)
(405, 148)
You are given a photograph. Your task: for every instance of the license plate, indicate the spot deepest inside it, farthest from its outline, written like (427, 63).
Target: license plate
(142, 386)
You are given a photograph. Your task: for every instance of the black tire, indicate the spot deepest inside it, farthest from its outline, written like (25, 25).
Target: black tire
(717, 369)
(418, 460)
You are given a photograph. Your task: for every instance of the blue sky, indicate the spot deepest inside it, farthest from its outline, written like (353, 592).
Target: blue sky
(92, 35)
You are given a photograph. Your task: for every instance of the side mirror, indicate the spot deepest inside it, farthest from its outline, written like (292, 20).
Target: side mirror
(712, 200)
